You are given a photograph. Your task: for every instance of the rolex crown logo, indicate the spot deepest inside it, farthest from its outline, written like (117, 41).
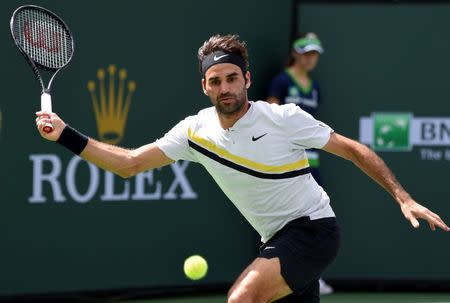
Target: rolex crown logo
(111, 100)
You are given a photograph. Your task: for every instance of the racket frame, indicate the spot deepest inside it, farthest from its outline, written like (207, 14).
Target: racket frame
(46, 101)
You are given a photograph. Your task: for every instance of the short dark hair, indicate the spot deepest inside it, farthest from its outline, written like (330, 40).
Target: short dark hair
(228, 43)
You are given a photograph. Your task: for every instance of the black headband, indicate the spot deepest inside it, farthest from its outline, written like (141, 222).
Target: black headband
(223, 57)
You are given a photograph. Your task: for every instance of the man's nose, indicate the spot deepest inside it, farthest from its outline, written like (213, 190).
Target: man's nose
(224, 87)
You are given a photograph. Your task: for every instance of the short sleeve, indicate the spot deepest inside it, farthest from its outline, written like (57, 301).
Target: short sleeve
(174, 143)
(305, 131)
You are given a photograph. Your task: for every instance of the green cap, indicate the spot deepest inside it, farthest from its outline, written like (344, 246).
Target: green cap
(308, 44)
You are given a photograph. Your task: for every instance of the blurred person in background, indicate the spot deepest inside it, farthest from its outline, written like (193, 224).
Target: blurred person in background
(295, 85)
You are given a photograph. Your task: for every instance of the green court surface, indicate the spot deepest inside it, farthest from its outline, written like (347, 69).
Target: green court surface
(334, 298)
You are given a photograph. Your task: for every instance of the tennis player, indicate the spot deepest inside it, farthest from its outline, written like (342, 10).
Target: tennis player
(255, 151)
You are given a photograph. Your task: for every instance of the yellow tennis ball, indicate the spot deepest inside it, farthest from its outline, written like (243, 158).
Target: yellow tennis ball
(195, 267)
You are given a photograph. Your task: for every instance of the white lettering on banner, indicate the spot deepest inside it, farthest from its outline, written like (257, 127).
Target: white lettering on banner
(430, 154)
(52, 177)
(71, 181)
(139, 191)
(109, 194)
(180, 179)
(447, 154)
(48, 168)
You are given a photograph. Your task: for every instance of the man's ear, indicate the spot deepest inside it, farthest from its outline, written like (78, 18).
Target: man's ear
(204, 86)
(248, 81)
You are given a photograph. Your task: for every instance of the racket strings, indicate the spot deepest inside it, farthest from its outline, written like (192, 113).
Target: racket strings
(44, 38)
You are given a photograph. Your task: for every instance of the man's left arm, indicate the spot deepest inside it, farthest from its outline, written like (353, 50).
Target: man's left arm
(369, 162)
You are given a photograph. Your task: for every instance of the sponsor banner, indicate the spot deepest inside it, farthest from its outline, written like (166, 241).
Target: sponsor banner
(401, 132)
(111, 96)
(49, 171)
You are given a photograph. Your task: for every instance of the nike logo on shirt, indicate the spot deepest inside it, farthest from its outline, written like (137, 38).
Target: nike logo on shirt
(269, 247)
(219, 57)
(259, 137)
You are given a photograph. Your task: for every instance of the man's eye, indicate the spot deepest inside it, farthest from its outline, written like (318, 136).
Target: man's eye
(215, 82)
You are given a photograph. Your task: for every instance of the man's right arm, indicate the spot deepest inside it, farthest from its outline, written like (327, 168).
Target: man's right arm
(121, 161)
(124, 162)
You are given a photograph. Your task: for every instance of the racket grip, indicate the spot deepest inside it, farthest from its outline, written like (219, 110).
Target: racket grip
(46, 105)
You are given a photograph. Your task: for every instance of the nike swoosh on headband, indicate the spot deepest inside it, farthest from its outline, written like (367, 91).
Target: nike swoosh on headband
(220, 57)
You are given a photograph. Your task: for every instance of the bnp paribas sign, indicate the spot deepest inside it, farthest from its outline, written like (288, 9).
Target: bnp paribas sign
(401, 132)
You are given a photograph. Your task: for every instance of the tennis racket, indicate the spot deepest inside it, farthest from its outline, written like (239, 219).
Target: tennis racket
(46, 43)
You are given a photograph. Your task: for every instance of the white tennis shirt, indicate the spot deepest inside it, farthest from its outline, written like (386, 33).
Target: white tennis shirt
(260, 163)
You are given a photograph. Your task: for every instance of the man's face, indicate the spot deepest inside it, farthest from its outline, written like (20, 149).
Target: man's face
(226, 87)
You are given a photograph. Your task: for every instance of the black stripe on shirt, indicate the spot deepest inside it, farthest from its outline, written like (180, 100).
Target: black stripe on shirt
(243, 169)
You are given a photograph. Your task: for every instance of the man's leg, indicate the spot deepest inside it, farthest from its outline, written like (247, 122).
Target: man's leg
(261, 282)
(291, 261)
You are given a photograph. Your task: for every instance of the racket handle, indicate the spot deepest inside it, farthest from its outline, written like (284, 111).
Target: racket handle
(46, 105)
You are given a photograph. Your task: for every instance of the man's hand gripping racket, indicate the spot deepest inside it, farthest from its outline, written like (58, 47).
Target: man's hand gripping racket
(47, 44)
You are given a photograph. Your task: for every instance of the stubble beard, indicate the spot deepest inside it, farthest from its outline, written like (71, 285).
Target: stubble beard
(232, 108)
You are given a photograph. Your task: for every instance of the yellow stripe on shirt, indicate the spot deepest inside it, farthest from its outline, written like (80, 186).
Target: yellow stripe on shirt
(303, 163)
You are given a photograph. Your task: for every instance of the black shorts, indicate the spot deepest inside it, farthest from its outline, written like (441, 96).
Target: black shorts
(305, 248)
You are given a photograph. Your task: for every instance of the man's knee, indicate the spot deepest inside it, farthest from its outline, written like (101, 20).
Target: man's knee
(234, 298)
(239, 296)
(248, 296)
(244, 294)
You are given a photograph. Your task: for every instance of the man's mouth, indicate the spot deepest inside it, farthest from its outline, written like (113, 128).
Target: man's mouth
(226, 99)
